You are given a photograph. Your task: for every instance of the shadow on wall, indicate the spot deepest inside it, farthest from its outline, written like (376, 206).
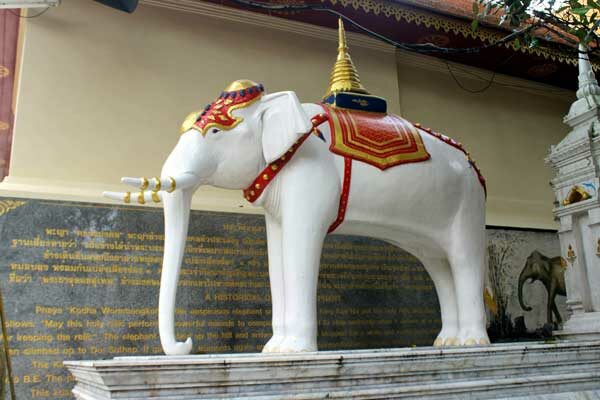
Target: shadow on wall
(521, 289)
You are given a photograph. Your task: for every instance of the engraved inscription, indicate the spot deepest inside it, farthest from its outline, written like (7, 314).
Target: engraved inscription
(81, 281)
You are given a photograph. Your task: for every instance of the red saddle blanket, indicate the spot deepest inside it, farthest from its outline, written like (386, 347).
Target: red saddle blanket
(382, 140)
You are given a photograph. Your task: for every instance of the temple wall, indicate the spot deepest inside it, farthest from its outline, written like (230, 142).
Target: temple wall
(102, 94)
(508, 131)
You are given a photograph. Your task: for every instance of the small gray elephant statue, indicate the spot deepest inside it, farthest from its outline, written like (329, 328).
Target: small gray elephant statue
(551, 272)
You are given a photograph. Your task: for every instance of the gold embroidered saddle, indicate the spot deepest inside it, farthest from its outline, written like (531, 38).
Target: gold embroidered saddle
(382, 140)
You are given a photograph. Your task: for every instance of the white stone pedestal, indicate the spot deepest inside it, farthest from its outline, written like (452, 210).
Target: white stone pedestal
(584, 326)
(555, 371)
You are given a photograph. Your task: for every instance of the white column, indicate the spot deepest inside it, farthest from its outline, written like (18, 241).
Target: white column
(572, 276)
(593, 261)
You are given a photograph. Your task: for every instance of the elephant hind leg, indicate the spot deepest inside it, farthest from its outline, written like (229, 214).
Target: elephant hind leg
(441, 275)
(466, 254)
(468, 284)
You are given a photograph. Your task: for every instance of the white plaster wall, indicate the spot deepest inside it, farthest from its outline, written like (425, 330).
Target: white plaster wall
(103, 93)
(508, 132)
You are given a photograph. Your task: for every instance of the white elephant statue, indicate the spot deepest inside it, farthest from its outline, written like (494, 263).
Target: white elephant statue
(260, 142)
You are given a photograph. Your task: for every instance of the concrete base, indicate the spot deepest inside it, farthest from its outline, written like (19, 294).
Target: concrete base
(582, 326)
(550, 371)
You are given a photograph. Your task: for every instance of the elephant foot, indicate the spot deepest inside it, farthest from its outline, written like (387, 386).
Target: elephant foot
(173, 348)
(475, 342)
(273, 344)
(473, 337)
(292, 344)
(446, 337)
(452, 341)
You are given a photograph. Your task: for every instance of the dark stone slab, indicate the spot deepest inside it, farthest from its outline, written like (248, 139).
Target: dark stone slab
(81, 281)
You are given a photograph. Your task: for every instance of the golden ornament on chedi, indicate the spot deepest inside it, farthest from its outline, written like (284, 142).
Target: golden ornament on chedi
(344, 76)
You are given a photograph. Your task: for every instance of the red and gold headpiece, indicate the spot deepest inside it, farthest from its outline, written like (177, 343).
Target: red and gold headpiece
(238, 94)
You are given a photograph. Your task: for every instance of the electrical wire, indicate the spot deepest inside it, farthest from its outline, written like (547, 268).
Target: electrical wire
(492, 80)
(421, 48)
(487, 85)
(466, 89)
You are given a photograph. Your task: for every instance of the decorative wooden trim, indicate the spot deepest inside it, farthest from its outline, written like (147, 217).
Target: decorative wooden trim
(387, 9)
(451, 24)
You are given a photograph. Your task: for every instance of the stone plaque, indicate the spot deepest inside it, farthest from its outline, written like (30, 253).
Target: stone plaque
(81, 281)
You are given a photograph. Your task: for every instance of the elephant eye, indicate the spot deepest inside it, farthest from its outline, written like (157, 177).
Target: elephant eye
(214, 130)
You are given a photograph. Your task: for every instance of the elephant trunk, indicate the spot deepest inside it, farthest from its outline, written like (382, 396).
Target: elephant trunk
(522, 278)
(177, 213)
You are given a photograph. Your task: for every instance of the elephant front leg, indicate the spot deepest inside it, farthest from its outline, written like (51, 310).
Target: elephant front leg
(556, 312)
(302, 245)
(441, 275)
(552, 307)
(549, 309)
(277, 284)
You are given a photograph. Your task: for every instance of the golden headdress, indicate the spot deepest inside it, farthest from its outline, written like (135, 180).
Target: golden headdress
(238, 94)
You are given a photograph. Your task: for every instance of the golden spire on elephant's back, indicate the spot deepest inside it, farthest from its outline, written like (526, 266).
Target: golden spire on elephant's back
(344, 77)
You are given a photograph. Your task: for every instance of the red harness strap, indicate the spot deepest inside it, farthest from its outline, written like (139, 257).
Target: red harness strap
(460, 147)
(257, 187)
(344, 196)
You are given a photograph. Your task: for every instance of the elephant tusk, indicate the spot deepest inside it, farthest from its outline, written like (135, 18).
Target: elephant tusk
(141, 197)
(167, 184)
(142, 183)
(125, 197)
(158, 187)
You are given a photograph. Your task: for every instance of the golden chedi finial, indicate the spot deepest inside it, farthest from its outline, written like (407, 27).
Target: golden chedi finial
(344, 77)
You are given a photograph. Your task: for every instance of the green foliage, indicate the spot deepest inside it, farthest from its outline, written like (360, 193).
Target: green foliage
(500, 252)
(574, 21)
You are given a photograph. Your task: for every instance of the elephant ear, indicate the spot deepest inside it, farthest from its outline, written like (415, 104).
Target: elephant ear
(546, 264)
(283, 122)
